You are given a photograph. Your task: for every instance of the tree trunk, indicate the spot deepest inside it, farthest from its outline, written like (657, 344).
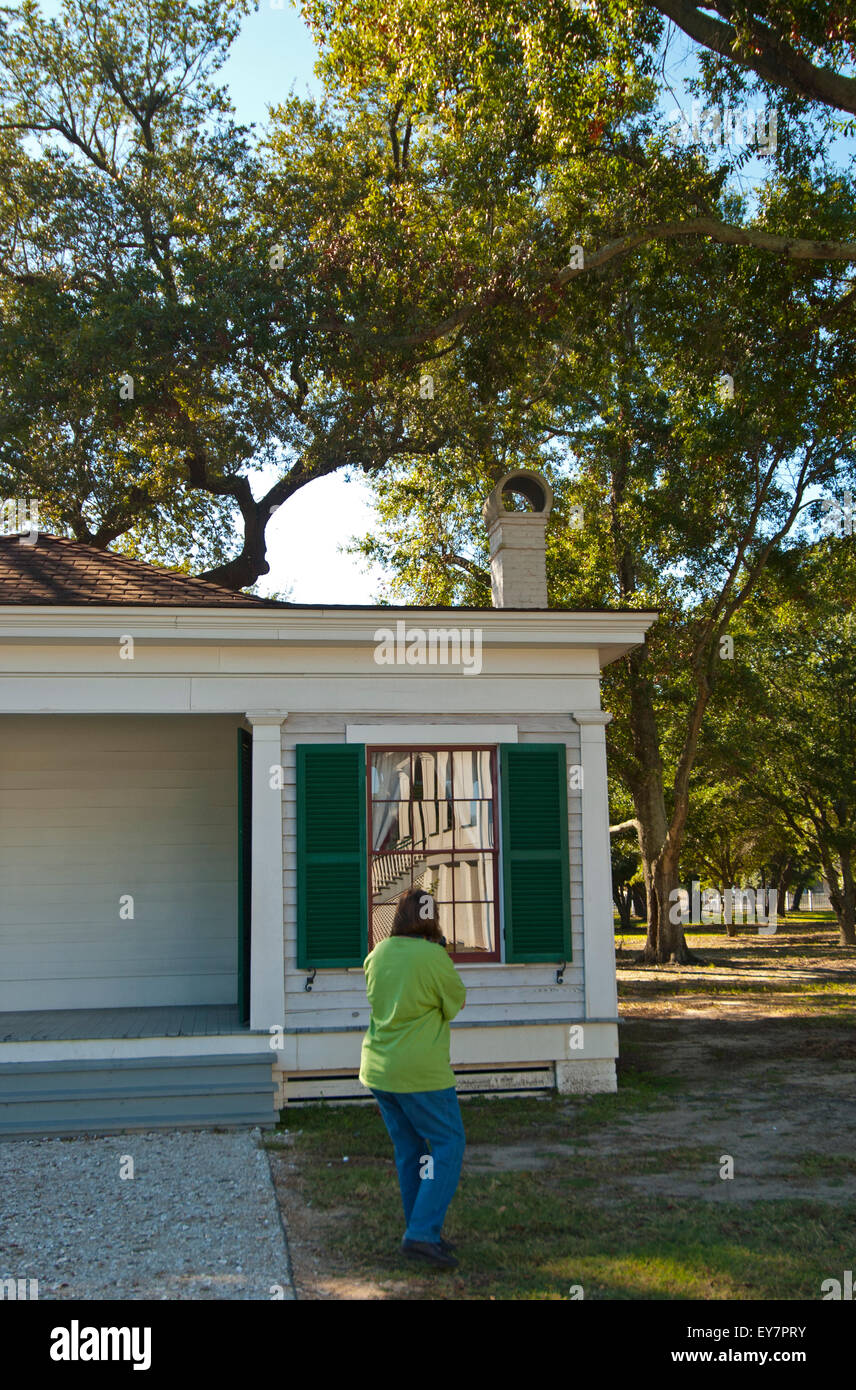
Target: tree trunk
(842, 890)
(648, 878)
(665, 938)
(845, 910)
(637, 892)
(666, 942)
(622, 900)
(780, 874)
(798, 892)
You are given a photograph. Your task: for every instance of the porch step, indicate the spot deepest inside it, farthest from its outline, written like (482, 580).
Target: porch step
(105, 1095)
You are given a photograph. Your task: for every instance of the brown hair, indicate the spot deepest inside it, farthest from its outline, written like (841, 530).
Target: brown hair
(416, 915)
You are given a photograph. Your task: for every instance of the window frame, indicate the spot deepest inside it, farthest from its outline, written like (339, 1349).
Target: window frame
(460, 957)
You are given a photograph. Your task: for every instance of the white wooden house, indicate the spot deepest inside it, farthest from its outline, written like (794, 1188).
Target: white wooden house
(210, 801)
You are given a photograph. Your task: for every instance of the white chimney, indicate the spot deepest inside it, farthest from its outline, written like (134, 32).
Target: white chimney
(518, 567)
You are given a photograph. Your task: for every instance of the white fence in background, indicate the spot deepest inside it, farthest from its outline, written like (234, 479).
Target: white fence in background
(812, 900)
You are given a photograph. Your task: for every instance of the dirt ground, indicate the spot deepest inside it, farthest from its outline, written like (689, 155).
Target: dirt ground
(796, 972)
(755, 1053)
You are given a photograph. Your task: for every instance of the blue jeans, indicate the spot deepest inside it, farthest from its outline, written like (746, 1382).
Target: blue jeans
(428, 1177)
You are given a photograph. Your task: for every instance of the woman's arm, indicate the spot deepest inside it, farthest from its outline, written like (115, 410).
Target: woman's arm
(450, 987)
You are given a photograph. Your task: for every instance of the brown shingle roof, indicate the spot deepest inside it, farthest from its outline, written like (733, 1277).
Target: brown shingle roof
(59, 571)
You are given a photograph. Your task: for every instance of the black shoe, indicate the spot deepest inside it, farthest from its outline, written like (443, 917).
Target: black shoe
(448, 1245)
(429, 1252)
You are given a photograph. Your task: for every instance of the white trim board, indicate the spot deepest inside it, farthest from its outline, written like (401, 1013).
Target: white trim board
(429, 734)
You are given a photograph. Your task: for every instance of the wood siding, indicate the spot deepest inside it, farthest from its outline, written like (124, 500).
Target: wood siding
(96, 807)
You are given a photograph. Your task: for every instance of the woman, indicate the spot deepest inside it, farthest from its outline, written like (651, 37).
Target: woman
(414, 990)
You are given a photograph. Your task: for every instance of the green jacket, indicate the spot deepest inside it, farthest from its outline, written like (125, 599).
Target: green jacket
(414, 990)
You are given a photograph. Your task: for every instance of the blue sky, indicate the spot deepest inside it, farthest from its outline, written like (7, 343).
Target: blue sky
(273, 54)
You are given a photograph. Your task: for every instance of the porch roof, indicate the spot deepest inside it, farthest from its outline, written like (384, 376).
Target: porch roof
(57, 571)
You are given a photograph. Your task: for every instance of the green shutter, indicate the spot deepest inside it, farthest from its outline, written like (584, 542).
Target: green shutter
(535, 867)
(332, 909)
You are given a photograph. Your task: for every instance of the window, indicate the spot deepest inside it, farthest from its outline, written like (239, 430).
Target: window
(374, 821)
(433, 825)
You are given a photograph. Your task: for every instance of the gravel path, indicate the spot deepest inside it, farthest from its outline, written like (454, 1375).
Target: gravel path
(198, 1220)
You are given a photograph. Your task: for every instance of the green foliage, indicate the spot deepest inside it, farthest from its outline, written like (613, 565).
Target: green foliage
(801, 648)
(280, 303)
(121, 185)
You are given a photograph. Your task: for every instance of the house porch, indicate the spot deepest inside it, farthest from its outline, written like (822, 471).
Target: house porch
(178, 1021)
(97, 1071)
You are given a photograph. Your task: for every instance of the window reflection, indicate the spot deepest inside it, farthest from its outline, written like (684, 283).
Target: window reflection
(432, 826)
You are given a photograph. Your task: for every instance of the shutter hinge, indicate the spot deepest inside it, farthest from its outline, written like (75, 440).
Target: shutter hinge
(310, 980)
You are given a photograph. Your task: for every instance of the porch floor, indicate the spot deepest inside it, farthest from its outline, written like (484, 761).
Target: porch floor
(170, 1021)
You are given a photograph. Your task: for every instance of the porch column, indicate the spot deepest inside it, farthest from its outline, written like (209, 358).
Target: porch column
(267, 956)
(601, 989)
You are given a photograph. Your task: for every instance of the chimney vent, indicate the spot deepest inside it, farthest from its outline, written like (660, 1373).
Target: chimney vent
(518, 568)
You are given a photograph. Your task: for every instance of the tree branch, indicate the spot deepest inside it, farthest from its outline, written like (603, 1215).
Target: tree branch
(463, 563)
(624, 825)
(794, 248)
(768, 54)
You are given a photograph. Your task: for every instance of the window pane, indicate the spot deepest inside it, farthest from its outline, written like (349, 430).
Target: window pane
(472, 774)
(383, 915)
(390, 826)
(473, 824)
(432, 825)
(445, 918)
(390, 876)
(434, 875)
(391, 776)
(473, 927)
(432, 776)
(473, 878)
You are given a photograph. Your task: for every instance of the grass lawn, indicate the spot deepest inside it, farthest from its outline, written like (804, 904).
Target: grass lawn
(748, 1058)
